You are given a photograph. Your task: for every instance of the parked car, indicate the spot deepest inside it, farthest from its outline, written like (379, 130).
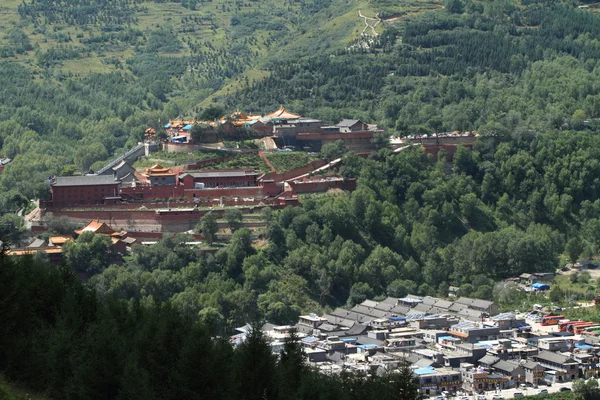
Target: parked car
(518, 394)
(543, 391)
(564, 389)
(497, 397)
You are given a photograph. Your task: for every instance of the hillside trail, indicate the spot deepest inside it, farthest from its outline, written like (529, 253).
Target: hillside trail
(370, 25)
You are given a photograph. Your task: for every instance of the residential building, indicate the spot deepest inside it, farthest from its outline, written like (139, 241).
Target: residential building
(486, 306)
(564, 367)
(478, 379)
(534, 372)
(433, 381)
(472, 333)
(511, 370)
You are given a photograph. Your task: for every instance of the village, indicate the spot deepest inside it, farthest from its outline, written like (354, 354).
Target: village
(457, 347)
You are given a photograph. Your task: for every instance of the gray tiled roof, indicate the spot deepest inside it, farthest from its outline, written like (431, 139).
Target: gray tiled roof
(384, 306)
(400, 310)
(86, 180)
(422, 307)
(464, 300)
(391, 300)
(430, 300)
(506, 366)
(531, 365)
(489, 359)
(443, 304)
(347, 123)
(552, 357)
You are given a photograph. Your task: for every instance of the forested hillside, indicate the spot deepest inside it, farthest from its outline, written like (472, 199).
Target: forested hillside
(81, 81)
(58, 339)
(413, 226)
(466, 67)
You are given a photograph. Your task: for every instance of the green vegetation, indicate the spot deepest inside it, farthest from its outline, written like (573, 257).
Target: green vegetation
(287, 161)
(242, 161)
(412, 226)
(178, 158)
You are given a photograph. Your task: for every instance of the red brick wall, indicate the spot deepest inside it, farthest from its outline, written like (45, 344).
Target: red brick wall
(255, 191)
(151, 192)
(63, 196)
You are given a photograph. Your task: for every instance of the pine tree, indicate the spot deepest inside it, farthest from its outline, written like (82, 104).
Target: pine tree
(254, 367)
(291, 367)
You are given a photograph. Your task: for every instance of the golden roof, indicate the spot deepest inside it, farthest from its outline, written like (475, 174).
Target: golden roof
(158, 170)
(96, 227)
(282, 113)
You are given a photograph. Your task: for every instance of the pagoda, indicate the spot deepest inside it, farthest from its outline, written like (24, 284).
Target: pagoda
(157, 175)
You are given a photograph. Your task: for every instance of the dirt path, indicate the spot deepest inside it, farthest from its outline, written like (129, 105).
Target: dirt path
(371, 25)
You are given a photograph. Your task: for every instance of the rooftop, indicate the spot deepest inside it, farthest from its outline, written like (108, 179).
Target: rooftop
(346, 123)
(86, 180)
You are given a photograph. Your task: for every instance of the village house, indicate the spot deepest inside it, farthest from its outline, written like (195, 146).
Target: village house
(477, 379)
(534, 372)
(562, 368)
(512, 370)
(434, 381)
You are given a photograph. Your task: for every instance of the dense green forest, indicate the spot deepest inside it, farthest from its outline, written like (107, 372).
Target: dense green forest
(59, 339)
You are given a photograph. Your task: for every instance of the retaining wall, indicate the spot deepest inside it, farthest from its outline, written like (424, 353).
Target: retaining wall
(322, 186)
(280, 177)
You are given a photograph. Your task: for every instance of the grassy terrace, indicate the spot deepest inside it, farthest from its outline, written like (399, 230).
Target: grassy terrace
(245, 161)
(286, 161)
(173, 159)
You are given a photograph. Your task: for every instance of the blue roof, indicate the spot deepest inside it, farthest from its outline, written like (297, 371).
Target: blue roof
(397, 319)
(310, 339)
(349, 339)
(540, 285)
(187, 127)
(365, 346)
(445, 337)
(424, 371)
(584, 346)
(167, 125)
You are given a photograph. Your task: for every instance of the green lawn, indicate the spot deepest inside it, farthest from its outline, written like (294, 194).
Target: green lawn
(287, 161)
